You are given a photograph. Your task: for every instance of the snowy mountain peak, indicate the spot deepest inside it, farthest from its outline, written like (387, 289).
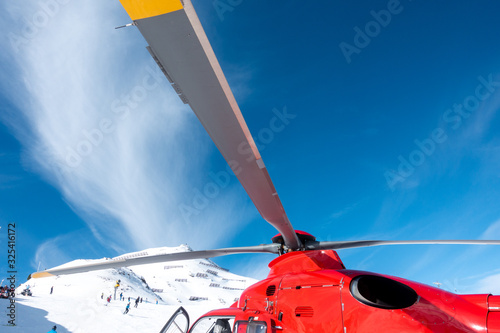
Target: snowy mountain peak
(199, 285)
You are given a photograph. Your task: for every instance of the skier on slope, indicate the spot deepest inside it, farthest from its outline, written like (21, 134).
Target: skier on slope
(127, 308)
(137, 301)
(53, 330)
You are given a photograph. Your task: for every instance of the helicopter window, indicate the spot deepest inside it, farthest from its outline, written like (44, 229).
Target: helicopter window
(381, 292)
(215, 324)
(250, 327)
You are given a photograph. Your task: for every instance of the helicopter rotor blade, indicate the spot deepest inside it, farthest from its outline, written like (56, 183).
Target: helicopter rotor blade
(368, 243)
(124, 261)
(275, 248)
(180, 47)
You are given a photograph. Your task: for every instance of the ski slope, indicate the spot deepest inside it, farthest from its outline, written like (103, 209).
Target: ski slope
(76, 305)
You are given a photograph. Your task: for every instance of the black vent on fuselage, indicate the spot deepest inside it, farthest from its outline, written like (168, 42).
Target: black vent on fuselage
(271, 289)
(382, 292)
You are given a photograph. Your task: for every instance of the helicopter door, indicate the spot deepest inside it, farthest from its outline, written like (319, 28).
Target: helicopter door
(311, 308)
(178, 323)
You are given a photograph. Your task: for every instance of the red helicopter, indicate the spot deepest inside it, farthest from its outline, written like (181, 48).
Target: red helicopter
(308, 288)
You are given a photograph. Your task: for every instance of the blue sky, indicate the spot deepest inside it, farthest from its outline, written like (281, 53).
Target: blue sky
(391, 133)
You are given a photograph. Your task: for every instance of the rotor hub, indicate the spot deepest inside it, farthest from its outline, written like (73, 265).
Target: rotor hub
(303, 237)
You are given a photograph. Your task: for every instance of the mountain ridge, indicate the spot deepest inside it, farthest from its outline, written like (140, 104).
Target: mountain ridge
(78, 302)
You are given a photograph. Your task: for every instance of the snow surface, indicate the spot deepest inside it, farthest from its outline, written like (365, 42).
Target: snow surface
(76, 305)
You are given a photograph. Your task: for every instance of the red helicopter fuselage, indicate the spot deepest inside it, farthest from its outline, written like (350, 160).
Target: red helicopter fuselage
(311, 291)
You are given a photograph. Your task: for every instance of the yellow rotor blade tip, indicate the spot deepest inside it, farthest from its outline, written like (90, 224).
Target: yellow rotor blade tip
(140, 9)
(40, 275)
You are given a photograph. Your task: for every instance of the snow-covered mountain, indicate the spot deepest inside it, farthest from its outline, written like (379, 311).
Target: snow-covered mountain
(75, 304)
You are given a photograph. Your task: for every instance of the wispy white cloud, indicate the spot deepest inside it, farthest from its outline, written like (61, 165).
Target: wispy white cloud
(8, 181)
(344, 211)
(488, 285)
(112, 137)
(492, 232)
(63, 248)
(468, 138)
(254, 266)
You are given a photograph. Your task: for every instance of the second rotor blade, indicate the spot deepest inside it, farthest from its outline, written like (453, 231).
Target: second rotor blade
(367, 243)
(123, 261)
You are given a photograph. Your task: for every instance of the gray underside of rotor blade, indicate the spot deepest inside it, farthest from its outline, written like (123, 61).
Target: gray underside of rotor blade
(182, 50)
(125, 262)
